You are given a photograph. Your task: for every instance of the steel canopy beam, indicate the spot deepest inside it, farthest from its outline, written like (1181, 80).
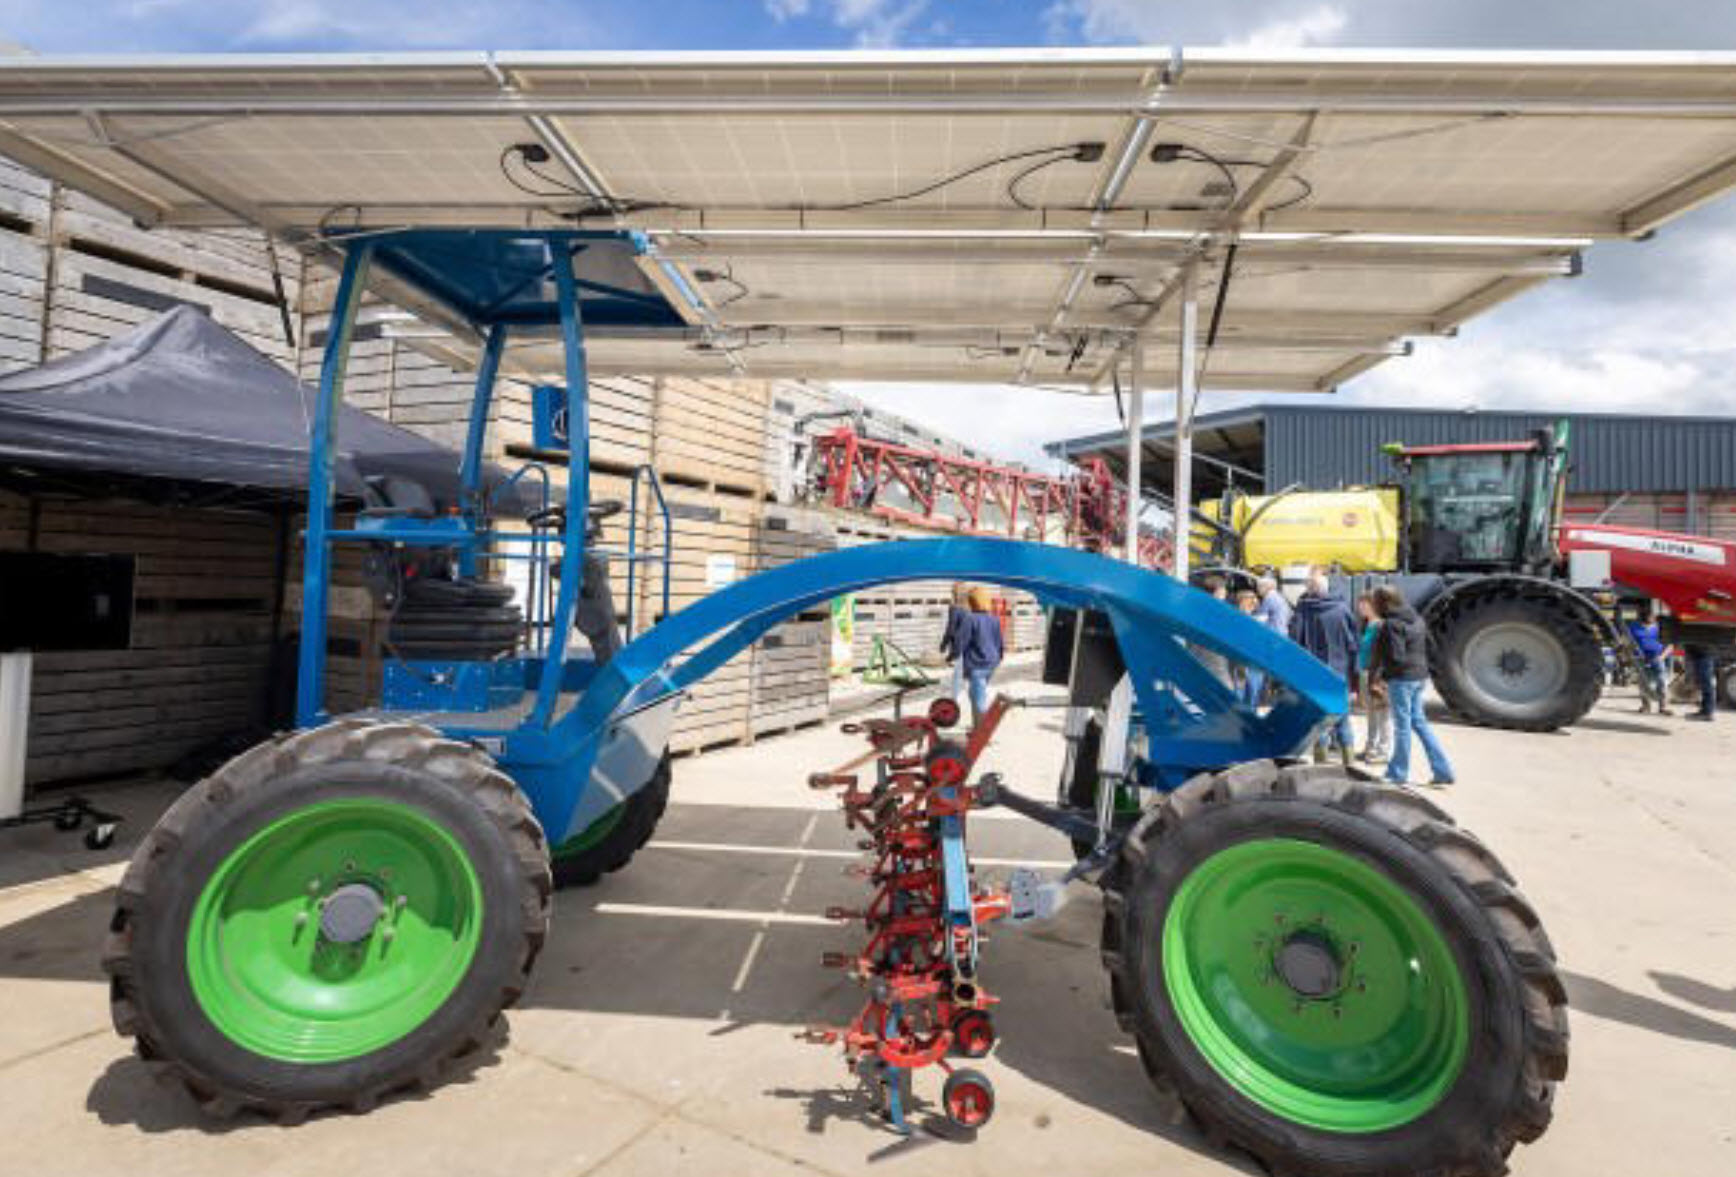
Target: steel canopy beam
(327, 103)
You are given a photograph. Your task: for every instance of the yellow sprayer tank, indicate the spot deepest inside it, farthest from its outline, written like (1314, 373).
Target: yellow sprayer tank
(1356, 529)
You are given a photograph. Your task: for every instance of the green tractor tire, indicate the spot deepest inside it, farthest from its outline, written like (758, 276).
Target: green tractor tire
(1333, 978)
(610, 842)
(329, 918)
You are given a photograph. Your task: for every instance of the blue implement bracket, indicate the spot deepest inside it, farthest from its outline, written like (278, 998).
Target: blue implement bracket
(1193, 723)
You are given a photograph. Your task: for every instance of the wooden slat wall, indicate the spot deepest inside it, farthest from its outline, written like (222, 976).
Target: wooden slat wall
(197, 665)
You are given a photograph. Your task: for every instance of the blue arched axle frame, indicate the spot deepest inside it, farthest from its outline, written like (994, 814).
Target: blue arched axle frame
(1193, 722)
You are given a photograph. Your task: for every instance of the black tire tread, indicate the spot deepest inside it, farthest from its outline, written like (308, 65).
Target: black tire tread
(644, 810)
(346, 739)
(1578, 636)
(1429, 829)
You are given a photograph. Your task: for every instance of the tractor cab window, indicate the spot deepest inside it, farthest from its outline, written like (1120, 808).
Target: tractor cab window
(1466, 509)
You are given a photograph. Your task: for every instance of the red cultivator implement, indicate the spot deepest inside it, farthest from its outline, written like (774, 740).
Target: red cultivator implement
(926, 1003)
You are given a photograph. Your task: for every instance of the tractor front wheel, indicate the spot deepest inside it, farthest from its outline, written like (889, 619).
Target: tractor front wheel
(330, 917)
(1516, 660)
(1332, 977)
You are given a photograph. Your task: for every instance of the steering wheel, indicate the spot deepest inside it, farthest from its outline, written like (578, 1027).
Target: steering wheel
(555, 517)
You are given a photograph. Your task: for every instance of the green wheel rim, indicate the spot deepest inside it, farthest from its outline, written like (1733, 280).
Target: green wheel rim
(592, 835)
(267, 974)
(1315, 985)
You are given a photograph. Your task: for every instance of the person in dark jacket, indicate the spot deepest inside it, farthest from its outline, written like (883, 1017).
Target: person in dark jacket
(1401, 665)
(957, 614)
(979, 650)
(1322, 624)
(1705, 668)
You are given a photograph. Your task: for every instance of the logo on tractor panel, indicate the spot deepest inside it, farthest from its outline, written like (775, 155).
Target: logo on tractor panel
(1351, 519)
(1657, 545)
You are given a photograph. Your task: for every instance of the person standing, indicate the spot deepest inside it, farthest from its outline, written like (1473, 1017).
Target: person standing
(1378, 743)
(1705, 669)
(1273, 611)
(1250, 683)
(957, 614)
(1401, 663)
(980, 650)
(1322, 625)
(1211, 659)
(1650, 648)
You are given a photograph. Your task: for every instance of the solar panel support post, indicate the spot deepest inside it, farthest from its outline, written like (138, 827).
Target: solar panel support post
(1135, 442)
(1186, 395)
(321, 488)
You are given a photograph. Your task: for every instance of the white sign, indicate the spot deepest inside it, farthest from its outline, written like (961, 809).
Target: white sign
(1657, 545)
(719, 571)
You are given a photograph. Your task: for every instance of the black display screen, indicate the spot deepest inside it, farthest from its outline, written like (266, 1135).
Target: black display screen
(54, 601)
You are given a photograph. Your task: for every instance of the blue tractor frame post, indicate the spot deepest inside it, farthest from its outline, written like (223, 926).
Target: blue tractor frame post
(345, 911)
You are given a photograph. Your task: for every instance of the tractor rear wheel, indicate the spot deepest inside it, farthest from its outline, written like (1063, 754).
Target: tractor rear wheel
(1512, 660)
(610, 842)
(329, 918)
(1332, 977)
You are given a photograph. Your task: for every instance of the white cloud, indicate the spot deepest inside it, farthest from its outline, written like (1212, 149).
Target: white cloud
(1317, 26)
(875, 23)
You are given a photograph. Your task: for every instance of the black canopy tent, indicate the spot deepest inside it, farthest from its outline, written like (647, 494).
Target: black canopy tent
(180, 401)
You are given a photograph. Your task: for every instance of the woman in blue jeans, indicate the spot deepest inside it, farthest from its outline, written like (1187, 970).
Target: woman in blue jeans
(1401, 665)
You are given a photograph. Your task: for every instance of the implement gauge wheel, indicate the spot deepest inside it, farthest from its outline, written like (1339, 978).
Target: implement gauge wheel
(1332, 977)
(610, 842)
(329, 918)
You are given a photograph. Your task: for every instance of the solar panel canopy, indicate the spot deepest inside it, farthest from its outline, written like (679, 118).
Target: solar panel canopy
(995, 216)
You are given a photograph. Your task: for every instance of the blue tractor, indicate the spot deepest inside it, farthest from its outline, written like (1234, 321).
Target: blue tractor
(1324, 969)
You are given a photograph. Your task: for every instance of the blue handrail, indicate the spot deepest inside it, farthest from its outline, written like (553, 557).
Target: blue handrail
(664, 558)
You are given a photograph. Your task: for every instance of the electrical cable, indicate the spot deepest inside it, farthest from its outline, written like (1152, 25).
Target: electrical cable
(1025, 173)
(1060, 151)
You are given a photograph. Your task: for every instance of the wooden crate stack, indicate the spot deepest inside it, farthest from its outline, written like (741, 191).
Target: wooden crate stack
(107, 276)
(25, 202)
(197, 665)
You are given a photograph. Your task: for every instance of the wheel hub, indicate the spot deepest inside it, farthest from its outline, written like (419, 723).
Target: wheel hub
(1307, 961)
(350, 913)
(1513, 663)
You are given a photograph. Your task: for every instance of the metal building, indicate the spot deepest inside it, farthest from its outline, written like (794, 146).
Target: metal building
(1670, 473)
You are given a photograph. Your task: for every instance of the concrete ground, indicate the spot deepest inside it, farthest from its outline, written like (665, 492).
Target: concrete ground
(658, 1037)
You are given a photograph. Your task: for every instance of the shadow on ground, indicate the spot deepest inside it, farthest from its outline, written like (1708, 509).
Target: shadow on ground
(1600, 999)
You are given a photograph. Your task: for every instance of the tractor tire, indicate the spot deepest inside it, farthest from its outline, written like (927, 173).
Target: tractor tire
(331, 917)
(1727, 686)
(1515, 660)
(1333, 978)
(612, 840)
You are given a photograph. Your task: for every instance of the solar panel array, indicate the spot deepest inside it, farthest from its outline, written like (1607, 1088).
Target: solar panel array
(977, 216)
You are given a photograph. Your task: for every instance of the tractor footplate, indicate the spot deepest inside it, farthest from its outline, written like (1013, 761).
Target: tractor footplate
(926, 1003)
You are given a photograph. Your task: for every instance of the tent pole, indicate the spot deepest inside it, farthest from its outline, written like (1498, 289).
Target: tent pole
(1185, 395)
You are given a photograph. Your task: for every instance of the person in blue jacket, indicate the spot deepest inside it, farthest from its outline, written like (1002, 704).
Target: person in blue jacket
(957, 614)
(979, 650)
(1643, 629)
(1323, 625)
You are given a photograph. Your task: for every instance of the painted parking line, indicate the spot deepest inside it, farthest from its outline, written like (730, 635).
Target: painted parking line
(814, 852)
(729, 914)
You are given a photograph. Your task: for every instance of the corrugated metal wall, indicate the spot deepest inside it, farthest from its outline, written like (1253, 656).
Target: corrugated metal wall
(1341, 447)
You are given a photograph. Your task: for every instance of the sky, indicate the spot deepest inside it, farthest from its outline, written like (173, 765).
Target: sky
(1649, 327)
